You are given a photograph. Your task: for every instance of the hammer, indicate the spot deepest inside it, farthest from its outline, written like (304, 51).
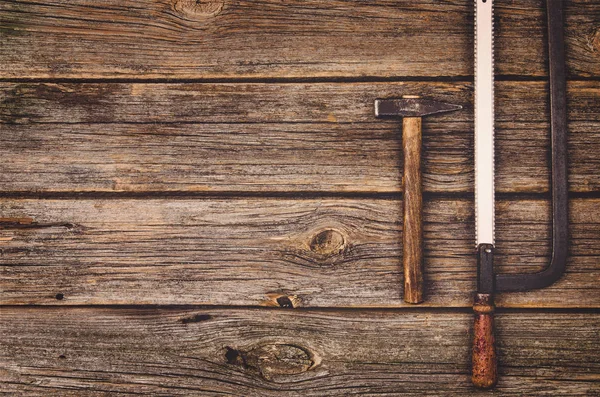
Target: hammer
(412, 109)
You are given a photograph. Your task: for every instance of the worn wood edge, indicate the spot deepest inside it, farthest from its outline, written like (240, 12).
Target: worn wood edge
(86, 351)
(276, 252)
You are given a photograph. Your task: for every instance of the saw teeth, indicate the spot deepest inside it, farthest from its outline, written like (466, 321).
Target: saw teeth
(492, 58)
(494, 118)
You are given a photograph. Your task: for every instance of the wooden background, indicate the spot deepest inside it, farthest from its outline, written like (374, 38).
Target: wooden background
(196, 199)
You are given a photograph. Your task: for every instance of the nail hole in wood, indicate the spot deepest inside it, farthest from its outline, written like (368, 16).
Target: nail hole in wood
(59, 296)
(285, 302)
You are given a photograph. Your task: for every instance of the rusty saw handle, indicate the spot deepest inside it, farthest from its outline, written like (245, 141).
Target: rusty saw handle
(412, 234)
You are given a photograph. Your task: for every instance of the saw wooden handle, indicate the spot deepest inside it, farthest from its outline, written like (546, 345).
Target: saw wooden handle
(412, 257)
(485, 367)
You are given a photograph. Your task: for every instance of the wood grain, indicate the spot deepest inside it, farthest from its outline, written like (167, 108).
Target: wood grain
(210, 352)
(183, 129)
(313, 252)
(276, 137)
(183, 39)
(412, 232)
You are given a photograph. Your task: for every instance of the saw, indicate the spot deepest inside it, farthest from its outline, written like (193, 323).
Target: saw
(484, 365)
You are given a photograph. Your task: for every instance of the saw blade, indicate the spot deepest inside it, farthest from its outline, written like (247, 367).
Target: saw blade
(484, 121)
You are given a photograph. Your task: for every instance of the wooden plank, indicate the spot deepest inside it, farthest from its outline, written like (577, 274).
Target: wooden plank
(91, 351)
(33, 102)
(313, 252)
(275, 137)
(222, 39)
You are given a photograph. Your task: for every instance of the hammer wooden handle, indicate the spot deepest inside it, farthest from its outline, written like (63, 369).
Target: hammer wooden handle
(411, 109)
(413, 209)
(485, 367)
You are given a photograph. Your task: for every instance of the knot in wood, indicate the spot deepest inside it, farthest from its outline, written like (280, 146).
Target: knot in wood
(328, 242)
(272, 361)
(199, 9)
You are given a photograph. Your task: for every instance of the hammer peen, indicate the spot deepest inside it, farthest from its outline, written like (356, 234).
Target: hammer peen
(412, 109)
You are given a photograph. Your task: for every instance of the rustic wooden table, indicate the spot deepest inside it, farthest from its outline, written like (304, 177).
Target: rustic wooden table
(196, 199)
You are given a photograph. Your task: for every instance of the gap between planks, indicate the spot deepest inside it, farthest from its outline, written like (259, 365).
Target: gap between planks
(290, 80)
(415, 309)
(274, 195)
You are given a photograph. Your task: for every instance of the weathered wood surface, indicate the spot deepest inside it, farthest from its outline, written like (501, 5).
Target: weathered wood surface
(231, 38)
(284, 133)
(315, 252)
(275, 137)
(93, 352)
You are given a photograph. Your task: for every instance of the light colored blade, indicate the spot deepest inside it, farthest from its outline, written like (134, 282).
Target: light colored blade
(484, 121)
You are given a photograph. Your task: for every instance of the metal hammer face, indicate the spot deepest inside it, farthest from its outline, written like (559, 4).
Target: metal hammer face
(411, 107)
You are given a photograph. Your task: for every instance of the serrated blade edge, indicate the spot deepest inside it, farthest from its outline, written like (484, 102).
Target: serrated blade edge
(484, 121)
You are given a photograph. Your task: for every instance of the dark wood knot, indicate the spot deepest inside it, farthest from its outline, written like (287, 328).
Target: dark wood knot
(328, 242)
(272, 361)
(199, 9)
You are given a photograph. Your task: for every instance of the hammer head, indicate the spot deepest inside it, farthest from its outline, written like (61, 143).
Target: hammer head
(411, 107)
